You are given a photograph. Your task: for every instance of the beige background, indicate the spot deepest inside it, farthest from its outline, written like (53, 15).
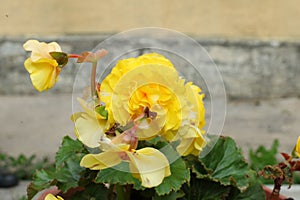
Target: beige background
(263, 19)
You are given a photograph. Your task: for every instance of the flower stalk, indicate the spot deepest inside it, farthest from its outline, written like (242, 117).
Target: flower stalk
(93, 79)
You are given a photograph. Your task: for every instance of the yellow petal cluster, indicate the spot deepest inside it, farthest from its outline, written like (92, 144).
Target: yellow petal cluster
(43, 69)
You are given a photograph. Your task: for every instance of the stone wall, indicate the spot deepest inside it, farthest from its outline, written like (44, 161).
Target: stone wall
(251, 69)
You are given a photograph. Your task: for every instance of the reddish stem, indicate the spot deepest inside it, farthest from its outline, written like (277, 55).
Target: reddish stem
(74, 55)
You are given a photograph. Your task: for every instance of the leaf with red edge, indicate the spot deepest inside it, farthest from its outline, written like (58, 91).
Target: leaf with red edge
(286, 156)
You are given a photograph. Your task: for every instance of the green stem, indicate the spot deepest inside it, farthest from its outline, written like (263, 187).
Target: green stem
(93, 79)
(122, 192)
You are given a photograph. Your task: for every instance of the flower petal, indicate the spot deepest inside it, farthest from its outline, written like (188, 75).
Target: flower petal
(43, 73)
(149, 165)
(52, 197)
(191, 143)
(41, 49)
(297, 148)
(88, 129)
(100, 161)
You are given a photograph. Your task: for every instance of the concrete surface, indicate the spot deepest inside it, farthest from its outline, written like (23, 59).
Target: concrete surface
(251, 69)
(14, 193)
(36, 125)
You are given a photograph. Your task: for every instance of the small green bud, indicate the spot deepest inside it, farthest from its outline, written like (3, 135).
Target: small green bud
(61, 58)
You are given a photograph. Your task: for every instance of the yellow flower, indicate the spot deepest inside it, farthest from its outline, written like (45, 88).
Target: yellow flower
(297, 148)
(42, 67)
(147, 82)
(52, 197)
(148, 165)
(89, 125)
(150, 82)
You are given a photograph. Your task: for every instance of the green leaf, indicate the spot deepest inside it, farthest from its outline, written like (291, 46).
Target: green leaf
(101, 110)
(42, 180)
(68, 150)
(119, 174)
(253, 192)
(179, 172)
(67, 171)
(92, 191)
(225, 164)
(171, 196)
(68, 177)
(205, 189)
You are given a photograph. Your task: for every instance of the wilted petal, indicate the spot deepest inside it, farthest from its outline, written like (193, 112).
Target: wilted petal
(88, 129)
(43, 73)
(41, 49)
(100, 161)
(149, 165)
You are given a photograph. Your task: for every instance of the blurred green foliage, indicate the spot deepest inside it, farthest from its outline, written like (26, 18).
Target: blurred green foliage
(22, 166)
(261, 157)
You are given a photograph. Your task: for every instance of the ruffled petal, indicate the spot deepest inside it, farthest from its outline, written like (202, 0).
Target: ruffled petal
(43, 73)
(191, 143)
(100, 161)
(149, 165)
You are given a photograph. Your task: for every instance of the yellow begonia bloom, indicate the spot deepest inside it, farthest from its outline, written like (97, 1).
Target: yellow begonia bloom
(148, 165)
(43, 69)
(150, 81)
(297, 148)
(89, 125)
(52, 197)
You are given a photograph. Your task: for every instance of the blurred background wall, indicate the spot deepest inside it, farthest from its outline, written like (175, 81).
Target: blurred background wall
(259, 19)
